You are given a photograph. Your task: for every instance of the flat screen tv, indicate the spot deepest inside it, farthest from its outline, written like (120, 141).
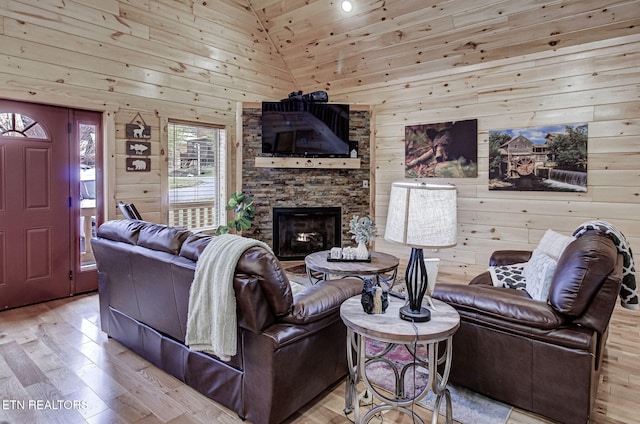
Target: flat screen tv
(305, 129)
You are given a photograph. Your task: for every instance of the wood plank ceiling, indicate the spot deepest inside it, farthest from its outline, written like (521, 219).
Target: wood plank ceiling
(395, 40)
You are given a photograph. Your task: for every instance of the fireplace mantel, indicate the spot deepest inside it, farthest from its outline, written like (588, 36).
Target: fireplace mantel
(330, 163)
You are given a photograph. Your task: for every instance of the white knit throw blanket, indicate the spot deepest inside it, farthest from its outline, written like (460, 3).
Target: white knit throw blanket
(211, 317)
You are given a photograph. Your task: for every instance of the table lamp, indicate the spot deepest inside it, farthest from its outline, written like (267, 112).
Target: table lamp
(420, 215)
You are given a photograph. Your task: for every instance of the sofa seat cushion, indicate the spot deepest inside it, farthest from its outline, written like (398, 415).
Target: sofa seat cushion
(513, 312)
(504, 304)
(566, 336)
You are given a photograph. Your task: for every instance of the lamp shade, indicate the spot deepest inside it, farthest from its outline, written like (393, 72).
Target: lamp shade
(422, 215)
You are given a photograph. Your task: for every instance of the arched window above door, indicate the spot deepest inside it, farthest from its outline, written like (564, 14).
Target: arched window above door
(18, 125)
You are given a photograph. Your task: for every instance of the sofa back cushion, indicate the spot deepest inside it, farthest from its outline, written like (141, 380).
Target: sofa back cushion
(162, 238)
(125, 230)
(194, 245)
(146, 234)
(581, 271)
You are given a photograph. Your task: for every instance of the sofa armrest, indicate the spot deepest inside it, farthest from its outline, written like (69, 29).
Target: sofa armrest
(322, 299)
(509, 257)
(505, 304)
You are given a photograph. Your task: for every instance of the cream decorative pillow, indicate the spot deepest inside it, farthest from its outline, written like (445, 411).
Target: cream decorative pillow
(538, 273)
(554, 243)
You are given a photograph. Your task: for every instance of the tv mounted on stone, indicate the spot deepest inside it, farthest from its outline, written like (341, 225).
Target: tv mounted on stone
(305, 129)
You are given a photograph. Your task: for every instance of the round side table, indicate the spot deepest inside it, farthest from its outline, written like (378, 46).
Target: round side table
(390, 329)
(380, 264)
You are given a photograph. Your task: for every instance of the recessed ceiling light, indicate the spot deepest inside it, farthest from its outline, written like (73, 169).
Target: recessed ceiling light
(346, 6)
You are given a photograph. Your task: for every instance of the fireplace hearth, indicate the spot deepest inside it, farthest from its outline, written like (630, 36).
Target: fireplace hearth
(300, 231)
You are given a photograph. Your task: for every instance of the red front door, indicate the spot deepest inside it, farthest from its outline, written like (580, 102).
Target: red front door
(35, 233)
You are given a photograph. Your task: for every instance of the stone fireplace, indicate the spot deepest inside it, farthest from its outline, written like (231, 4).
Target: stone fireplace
(300, 231)
(275, 187)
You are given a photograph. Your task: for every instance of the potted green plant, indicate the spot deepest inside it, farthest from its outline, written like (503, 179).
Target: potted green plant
(245, 212)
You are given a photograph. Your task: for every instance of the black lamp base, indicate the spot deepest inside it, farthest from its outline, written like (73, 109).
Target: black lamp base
(423, 315)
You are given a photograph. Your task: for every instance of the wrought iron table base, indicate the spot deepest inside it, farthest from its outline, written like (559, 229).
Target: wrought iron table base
(400, 402)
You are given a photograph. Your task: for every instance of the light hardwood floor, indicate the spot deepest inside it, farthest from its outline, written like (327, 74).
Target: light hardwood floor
(56, 351)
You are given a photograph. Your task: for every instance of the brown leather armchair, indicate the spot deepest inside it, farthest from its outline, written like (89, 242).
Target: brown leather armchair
(543, 357)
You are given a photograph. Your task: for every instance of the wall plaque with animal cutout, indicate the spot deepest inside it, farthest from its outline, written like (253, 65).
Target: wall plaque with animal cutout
(138, 148)
(138, 164)
(138, 131)
(137, 128)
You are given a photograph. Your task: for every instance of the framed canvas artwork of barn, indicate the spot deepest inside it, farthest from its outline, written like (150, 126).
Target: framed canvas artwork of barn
(545, 158)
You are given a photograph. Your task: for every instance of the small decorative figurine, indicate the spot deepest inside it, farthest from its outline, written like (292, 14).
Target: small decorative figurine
(336, 253)
(374, 299)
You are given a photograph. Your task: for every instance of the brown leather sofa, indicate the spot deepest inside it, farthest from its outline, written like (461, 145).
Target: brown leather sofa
(290, 347)
(543, 357)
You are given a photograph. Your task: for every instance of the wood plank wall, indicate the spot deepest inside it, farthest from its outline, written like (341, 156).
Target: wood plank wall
(166, 59)
(597, 83)
(190, 61)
